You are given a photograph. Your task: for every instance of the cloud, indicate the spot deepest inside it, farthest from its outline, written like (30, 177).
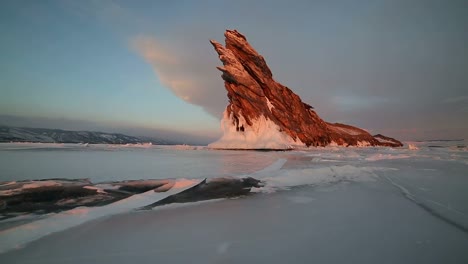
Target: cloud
(152, 51)
(184, 61)
(165, 64)
(188, 75)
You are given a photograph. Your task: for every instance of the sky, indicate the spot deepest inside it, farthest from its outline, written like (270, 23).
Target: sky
(146, 67)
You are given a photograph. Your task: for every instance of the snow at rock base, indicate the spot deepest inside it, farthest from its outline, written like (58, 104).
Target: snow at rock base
(263, 134)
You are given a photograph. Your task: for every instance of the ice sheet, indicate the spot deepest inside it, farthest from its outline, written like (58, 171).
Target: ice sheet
(430, 178)
(344, 223)
(101, 163)
(18, 236)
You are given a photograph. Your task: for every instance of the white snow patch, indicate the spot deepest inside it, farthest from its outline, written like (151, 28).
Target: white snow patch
(98, 190)
(38, 184)
(412, 147)
(186, 147)
(269, 104)
(131, 145)
(382, 140)
(363, 143)
(378, 156)
(263, 134)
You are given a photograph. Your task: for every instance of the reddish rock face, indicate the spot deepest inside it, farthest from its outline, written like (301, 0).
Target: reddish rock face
(253, 93)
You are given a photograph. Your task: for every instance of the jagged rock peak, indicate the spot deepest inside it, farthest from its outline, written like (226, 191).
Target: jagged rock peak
(264, 114)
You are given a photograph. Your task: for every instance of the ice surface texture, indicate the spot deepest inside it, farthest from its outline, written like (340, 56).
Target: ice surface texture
(406, 205)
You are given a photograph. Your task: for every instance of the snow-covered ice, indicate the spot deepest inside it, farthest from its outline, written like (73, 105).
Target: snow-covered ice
(318, 205)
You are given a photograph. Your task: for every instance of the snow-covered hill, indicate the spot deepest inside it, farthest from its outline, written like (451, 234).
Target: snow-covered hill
(43, 135)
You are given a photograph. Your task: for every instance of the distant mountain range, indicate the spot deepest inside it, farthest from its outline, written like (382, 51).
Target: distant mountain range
(44, 135)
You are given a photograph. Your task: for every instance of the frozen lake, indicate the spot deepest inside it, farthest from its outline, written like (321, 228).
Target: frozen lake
(320, 205)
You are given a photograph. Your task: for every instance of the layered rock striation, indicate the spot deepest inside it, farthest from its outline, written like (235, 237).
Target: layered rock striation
(264, 114)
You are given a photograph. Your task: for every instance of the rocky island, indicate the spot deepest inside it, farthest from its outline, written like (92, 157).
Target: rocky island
(264, 114)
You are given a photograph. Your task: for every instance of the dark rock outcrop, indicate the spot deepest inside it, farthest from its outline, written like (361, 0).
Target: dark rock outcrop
(387, 141)
(55, 195)
(254, 95)
(213, 189)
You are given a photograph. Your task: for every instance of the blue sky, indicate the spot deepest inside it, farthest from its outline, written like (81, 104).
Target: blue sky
(143, 67)
(59, 63)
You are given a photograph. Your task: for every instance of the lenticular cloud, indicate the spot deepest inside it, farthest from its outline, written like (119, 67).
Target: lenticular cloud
(184, 72)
